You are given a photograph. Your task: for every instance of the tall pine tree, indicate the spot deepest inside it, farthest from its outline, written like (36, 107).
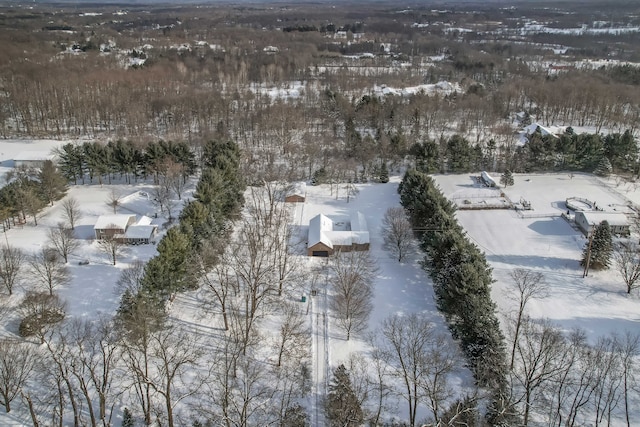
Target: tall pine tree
(601, 248)
(343, 408)
(604, 167)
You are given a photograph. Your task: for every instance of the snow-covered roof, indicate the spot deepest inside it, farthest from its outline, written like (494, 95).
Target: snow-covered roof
(144, 220)
(298, 189)
(140, 231)
(319, 225)
(596, 217)
(545, 131)
(119, 221)
(321, 230)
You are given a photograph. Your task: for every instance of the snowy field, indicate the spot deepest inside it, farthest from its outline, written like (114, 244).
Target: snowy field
(543, 241)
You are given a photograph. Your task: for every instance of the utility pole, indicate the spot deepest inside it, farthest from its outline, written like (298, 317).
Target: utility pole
(585, 273)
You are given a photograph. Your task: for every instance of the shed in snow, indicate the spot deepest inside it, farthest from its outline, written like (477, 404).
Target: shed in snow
(587, 220)
(297, 193)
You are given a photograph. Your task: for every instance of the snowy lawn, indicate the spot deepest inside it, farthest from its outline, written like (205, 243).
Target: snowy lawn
(542, 241)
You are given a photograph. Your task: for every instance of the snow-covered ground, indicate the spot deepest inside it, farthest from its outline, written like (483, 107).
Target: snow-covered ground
(540, 240)
(543, 241)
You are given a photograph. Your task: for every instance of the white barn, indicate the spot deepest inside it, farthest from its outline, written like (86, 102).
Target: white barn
(587, 220)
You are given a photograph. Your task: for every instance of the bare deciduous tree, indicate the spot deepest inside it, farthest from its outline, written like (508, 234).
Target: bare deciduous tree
(162, 198)
(114, 200)
(138, 323)
(219, 282)
(130, 279)
(529, 284)
(421, 359)
(397, 232)
(17, 362)
(71, 212)
(294, 332)
(11, 263)
(173, 177)
(441, 360)
(112, 247)
(379, 387)
(175, 354)
(47, 269)
(628, 262)
(629, 348)
(404, 340)
(540, 353)
(63, 240)
(351, 280)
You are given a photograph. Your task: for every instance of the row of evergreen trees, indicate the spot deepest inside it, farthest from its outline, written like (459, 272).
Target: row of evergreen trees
(93, 160)
(569, 151)
(461, 280)
(203, 222)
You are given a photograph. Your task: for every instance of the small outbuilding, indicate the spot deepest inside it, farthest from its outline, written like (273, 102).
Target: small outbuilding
(587, 220)
(297, 193)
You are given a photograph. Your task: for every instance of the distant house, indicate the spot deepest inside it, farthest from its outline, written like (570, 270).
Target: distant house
(32, 159)
(113, 226)
(297, 194)
(544, 131)
(327, 236)
(587, 220)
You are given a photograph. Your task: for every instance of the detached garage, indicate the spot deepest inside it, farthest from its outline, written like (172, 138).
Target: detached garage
(587, 220)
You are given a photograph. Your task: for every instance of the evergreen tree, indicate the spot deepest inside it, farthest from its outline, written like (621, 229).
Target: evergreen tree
(427, 156)
(622, 150)
(460, 154)
(127, 418)
(170, 271)
(71, 162)
(506, 179)
(604, 167)
(319, 177)
(52, 184)
(589, 151)
(343, 408)
(384, 173)
(601, 248)
(295, 416)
